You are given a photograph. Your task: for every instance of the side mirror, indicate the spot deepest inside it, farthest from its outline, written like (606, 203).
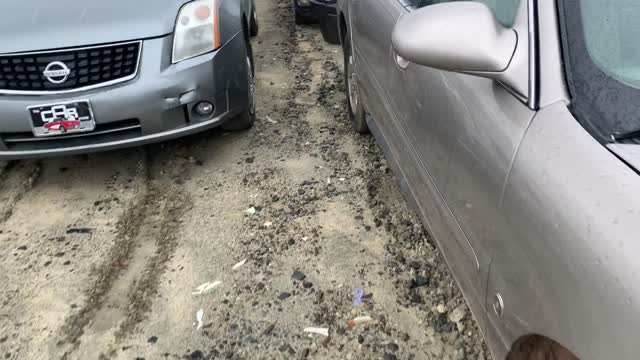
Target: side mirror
(462, 36)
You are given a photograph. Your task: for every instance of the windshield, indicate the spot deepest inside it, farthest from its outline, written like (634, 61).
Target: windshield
(602, 62)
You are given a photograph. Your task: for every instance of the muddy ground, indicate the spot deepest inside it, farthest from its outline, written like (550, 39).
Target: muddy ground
(101, 256)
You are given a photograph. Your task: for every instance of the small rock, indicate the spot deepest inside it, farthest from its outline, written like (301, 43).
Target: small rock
(416, 298)
(458, 314)
(288, 348)
(393, 347)
(441, 308)
(297, 275)
(307, 284)
(269, 329)
(23, 247)
(291, 241)
(152, 340)
(196, 355)
(249, 160)
(360, 339)
(305, 353)
(284, 295)
(419, 281)
(79, 231)
(389, 356)
(3, 339)
(259, 286)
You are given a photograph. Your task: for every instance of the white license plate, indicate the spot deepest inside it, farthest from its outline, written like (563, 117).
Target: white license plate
(63, 118)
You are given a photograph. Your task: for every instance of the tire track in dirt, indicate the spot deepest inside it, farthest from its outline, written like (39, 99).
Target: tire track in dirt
(16, 179)
(127, 281)
(115, 262)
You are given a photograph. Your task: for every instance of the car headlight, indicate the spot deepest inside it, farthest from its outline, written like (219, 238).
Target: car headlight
(196, 30)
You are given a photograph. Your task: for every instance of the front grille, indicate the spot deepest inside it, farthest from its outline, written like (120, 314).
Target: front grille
(88, 66)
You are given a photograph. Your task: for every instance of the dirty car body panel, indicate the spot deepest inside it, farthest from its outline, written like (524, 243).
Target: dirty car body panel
(154, 102)
(534, 212)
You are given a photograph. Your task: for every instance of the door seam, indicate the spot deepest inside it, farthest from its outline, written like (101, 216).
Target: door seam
(513, 161)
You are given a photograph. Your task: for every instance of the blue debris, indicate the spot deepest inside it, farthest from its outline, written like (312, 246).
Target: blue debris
(358, 295)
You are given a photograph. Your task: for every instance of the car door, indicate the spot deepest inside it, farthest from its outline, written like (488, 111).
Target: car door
(371, 24)
(465, 131)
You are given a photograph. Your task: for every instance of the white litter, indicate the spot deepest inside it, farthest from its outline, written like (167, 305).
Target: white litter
(342, 179)
(250, 210)
(206, 287)
(199, 316)
(329, 181)
(268, 224)
(271, 120)
(238, 265)
(319, 331)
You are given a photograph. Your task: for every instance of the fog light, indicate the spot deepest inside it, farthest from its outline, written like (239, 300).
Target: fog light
(204, 108)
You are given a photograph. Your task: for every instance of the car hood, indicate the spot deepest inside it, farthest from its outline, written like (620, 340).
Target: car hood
(627, 152)
(51, 24)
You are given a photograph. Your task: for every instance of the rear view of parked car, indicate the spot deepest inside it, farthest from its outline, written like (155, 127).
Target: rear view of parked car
(117, 74)
(514, 124)
(321, 11)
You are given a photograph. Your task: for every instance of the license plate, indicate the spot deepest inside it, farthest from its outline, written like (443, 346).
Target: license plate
(62, 118)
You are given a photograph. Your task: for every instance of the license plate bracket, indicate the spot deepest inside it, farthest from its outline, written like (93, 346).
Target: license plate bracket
(62, 118)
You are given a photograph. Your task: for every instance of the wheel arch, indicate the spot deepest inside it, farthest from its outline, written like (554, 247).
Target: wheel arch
(538, 347)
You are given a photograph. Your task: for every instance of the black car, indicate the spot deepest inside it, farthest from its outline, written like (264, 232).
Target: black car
(321, 11)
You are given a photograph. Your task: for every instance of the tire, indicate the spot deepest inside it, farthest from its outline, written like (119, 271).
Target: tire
(302, 20)
(357, 112)
(62, 130)
(253, 23)
(247, 118)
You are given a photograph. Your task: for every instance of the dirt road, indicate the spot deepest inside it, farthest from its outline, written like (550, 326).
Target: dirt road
(103, 256)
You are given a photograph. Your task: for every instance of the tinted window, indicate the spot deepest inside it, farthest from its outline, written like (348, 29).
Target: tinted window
(602, 64)
(611, 31)
(505, 10)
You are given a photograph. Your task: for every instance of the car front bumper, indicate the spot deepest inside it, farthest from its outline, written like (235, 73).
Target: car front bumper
(302, 9)
(325, 12)
(156, 105)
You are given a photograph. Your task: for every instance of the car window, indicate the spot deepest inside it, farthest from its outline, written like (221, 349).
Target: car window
(611, 29)
(505, 10)
(602, 65)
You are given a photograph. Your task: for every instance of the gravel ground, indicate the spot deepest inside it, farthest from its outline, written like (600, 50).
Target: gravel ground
(103, 256)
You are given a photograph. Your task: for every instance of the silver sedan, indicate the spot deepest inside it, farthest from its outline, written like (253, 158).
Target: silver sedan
(514, 125)
(81, 76)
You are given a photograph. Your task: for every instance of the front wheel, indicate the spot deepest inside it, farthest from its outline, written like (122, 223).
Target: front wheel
(357, 112)
(248, 117)
(254, 22)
